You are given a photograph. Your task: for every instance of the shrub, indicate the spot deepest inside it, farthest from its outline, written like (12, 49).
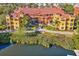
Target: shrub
(49, 27)
(5, 37)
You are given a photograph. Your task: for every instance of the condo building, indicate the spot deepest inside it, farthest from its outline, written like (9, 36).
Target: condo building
(43, 15)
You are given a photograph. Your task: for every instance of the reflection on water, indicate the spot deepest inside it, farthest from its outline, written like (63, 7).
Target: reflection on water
(35, 50)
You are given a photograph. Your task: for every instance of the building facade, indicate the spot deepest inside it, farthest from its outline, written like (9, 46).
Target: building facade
(43, 15)
(64, 23)
(12, 23)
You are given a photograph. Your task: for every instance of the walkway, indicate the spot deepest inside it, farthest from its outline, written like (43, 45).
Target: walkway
(6, 31)
(57, 32)
(44, 30)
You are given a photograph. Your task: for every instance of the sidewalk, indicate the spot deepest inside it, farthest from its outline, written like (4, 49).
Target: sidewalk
(44, 30)
(57, 32)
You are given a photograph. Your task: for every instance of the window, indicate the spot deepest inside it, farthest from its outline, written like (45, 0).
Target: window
(50, 14)
(57, 18)
(62, 27)
(43, 18)
(16, 23)
(62, 23)
(7, 19)
(16, 27)
(67, 23)
(11, 19)
(12, 23)
(71, 20)
(67, 27)
(67, 19)
(47, 14)
(8, 27)
(71, 24)
(60, 15)
(71, 28)
(16, 19)
(63, 20)
(12, 26)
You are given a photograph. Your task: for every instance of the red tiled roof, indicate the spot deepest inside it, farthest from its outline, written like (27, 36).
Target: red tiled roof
(39, 11)
(42, 11)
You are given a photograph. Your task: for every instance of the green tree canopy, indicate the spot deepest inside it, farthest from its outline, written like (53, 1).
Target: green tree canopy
(67, 7)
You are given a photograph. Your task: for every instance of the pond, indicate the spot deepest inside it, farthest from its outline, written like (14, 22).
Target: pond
(2, 46)
(35, 50)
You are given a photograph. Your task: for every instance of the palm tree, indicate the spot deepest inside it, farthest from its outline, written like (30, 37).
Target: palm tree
(55, 23)
(77, 23)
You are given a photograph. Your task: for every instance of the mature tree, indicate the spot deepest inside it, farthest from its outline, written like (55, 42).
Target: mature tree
(48, 5)
(24, 21)
(19, 35)
(34, 5)
(7, 7)
(77, 23)
(2, 19)
(75, 39)
(4, 38)
(67, 7)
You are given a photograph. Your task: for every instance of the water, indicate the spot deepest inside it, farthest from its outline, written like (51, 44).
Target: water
(35, 50)
(2, 46)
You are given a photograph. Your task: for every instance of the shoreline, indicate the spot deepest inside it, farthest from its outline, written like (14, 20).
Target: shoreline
(6, 48)
(23, 48)
(18, 45)
(7, 45)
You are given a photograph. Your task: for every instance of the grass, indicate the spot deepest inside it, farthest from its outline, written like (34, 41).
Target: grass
(48, 27)
(45, 39)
